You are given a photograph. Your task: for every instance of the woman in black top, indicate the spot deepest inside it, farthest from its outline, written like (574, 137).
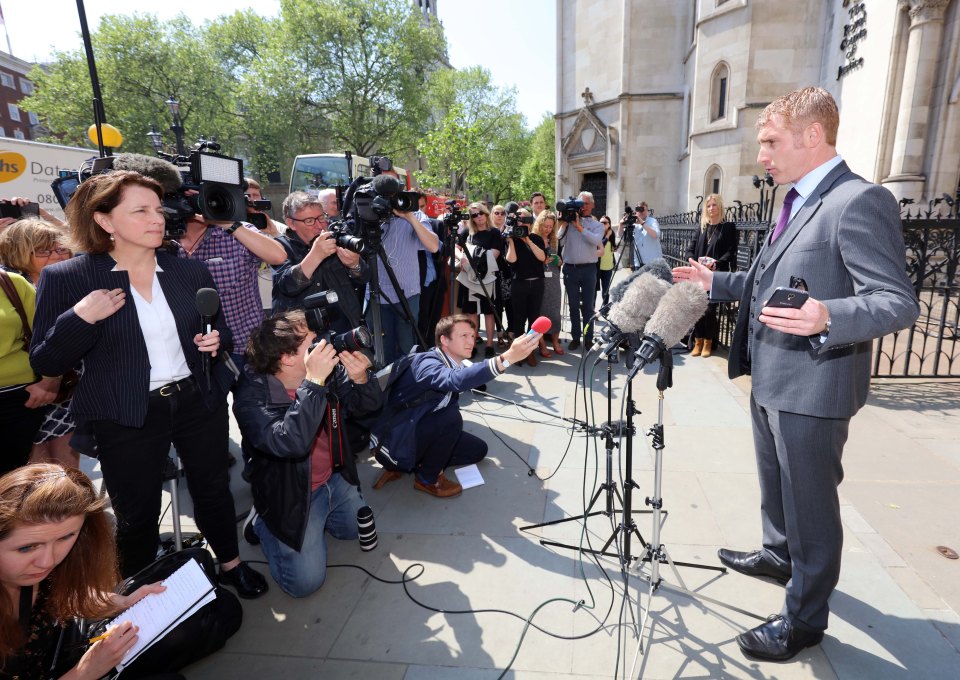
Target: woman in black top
(526, 256)
(481, 249)
(715, 247)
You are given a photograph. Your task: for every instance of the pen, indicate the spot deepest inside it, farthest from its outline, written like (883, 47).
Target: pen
(101, 637)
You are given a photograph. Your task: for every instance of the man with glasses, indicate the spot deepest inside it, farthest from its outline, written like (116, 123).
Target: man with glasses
(642, 241)
(315, 263)
(580, 240)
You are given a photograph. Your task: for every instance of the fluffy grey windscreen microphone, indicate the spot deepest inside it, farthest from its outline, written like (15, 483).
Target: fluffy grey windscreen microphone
(638, 304)
(155, 168)
(386, 185)
(680, 308)
(658, 268)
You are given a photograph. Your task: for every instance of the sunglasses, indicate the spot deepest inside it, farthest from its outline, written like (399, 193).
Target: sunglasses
(476, 215)
(499, 212)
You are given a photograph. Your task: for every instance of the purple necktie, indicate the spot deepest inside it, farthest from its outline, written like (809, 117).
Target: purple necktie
(784, 214)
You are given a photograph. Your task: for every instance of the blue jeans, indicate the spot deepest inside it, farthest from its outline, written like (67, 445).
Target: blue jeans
(398, 335)
(333, 508)
(581, 283)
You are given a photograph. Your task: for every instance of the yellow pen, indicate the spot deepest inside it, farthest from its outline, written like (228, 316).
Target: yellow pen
(102, 637)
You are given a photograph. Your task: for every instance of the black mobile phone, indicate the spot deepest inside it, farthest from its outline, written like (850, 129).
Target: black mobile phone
(788, 297)
(15, 211)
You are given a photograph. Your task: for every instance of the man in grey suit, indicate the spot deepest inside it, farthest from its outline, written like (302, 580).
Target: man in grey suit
(839, 237)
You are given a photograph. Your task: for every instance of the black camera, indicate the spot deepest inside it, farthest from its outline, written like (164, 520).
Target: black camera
(320, 308)
(521, 230)
(454, 215)
(218, 181)
(254, 217)
(569, 209)
(343, 233)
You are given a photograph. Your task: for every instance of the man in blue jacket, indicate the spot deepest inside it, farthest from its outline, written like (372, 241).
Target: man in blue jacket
(290, 405)
(421, 428)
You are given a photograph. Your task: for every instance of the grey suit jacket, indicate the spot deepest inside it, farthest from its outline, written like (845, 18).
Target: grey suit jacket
(846, 242)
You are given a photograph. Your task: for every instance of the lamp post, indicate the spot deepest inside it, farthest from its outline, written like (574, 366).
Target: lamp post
(156, 139)
(177, 127)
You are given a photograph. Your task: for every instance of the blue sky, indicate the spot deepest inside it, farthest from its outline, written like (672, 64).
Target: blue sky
(515, 40)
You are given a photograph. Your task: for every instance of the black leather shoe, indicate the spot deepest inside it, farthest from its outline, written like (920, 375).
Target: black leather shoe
(248, 583)
(573, 345)
(777, 640)
(752, 564)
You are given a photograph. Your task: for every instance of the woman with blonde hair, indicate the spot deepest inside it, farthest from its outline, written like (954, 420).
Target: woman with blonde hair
(27, 246)
(478, 263)
(715, 247)
(545, 227)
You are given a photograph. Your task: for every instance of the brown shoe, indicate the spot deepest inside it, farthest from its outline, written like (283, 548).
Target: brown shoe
(443, 488)
(387, 477)
(531, 360)
(707, 348)
(697, 347)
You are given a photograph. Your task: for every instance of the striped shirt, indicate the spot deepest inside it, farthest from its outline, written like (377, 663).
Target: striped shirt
(401, 244)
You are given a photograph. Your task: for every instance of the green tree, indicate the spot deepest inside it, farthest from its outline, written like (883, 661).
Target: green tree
(538, 172)
(141, 61)
(478, 141)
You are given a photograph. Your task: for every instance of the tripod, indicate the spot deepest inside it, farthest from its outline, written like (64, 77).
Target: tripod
(627, 528)
(655, 552)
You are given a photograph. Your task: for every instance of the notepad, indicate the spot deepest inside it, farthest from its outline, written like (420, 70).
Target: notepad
(188, 589)
(469, 476)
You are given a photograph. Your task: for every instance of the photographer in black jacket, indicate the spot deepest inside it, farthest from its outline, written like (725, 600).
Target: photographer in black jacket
(291, 404)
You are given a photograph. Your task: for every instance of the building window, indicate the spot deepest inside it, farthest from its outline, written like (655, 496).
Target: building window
(18, 133)
(26, 86)
(33, 118)
(3, 133)
(7, 80)
(719, 88)
(13, 111)
(713, 180)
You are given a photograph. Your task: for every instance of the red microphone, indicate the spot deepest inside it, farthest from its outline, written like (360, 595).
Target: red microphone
(541, 325)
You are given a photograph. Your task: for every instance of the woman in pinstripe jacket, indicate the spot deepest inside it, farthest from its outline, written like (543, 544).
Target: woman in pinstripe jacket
(127, 311)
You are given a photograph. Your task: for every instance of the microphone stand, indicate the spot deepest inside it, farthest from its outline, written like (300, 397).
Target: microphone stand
(655, 553)
(626, 527)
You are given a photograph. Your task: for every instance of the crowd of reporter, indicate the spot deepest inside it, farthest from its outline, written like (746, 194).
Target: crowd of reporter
(100, 354)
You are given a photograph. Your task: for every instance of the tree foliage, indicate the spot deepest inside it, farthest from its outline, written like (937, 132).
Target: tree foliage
(538, 172)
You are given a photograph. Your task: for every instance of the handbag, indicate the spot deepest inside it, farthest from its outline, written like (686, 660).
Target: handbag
(69, 380)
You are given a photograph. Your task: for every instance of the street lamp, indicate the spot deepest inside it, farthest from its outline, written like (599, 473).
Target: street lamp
(156, 140)
(177, 127)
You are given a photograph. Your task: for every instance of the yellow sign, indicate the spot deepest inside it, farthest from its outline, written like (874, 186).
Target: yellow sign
(12, 165)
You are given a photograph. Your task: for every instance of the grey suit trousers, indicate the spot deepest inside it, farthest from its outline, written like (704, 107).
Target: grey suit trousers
(798, 459)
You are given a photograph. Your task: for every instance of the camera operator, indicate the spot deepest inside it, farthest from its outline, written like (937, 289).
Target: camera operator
(315, 263)
(526, 254)
(421, 428)
(270, 228)
(580, 240)
(290, 406)
(404, 236)
(642, 238)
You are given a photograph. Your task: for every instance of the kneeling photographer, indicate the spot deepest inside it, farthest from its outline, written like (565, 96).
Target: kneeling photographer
(291, 405)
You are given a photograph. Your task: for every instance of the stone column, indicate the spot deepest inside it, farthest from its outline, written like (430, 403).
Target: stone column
(923, 49)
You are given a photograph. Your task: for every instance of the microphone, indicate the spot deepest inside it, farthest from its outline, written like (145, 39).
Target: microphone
(681, 307)
(541, 325)
(511, 208)
(208, 304)
(658, 268)
(386, 185)
(631, 313)
(166, 173)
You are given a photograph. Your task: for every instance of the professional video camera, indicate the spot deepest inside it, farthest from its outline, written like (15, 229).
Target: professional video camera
(369, 203)
(320, 309)
(569, 209)
(516, 225)
(454, 215)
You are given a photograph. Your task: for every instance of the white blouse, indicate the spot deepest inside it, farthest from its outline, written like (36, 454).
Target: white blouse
(159, 328)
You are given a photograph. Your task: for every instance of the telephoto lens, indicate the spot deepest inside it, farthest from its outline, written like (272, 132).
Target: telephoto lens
(367, 529)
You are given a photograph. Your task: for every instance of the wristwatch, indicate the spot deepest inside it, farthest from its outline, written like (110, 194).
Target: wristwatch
(233, 227)
(503, 360)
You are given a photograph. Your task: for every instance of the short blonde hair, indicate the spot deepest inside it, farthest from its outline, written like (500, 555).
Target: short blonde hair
(802, 108)
(23, 238)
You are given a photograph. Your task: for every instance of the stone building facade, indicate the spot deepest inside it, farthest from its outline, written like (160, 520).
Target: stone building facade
(657, 99)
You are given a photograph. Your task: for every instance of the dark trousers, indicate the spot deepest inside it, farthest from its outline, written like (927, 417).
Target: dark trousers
(18, 424)
(441, 442)
(708, 327)
(798, 458)
(132, 460)
(580, 281)
(604, 283)
(527, 299)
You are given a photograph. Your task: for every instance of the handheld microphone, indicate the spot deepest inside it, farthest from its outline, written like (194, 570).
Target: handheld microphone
(208, 304)
(681, 307)
(541, 325)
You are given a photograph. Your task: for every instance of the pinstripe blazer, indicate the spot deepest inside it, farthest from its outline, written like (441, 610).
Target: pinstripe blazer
(846, 242)
(116, 378)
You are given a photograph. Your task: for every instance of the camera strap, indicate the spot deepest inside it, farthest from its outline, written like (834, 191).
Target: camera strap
(338, 447)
